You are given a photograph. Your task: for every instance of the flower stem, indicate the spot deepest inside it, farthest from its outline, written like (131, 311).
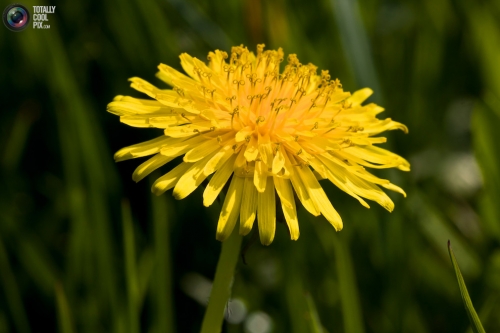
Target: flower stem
(221, 289)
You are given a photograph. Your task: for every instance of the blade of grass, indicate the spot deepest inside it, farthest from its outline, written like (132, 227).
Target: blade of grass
(145, 267)
(487, 310)
(335, 245)
(435, 227)
(349, 295)
(315, 324)
(59, 74)
(81, 269)
(130, 268)
(38, 263)
(209, 31)
(157, 23)
(4, 325)
(63, 312)
(13, 297)
(485, 137)
(16, 142)
(355, 44)
(477, 327)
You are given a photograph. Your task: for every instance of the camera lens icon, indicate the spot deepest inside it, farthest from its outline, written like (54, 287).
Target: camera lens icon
(16, 17)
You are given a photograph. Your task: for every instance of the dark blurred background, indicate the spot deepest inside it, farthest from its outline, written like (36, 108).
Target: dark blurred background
(85, 249)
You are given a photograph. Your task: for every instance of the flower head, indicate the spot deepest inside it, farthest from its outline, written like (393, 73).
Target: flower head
(238, 119)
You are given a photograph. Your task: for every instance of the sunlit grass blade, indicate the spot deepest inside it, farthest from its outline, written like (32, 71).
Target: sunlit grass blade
(63, 311)
(315, 324)
(488, 310)
(477, 327)
(130, 269)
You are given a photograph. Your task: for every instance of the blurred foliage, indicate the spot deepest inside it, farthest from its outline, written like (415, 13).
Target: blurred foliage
(85, 249)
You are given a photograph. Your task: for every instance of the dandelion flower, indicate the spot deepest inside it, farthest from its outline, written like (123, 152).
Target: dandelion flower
(240, 120)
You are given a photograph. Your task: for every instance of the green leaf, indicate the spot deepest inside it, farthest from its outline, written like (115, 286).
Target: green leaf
(477, 327)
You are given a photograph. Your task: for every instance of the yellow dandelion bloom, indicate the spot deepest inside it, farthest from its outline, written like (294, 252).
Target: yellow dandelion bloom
(240, 120)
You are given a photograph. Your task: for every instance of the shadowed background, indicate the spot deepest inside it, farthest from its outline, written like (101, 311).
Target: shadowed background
(85, 249)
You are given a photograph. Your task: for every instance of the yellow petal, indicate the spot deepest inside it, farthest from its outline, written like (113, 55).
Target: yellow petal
(369, 191)
(149, 166)
(188, 130)
(353, 184)
(360, 96)
(230, 209)
(144, 87)
(136, 121)
(384, 125)
(182, 147)
(248, 206)
(302, 192)
(319, 197)
(243, 134)
(218, 181)
(336, 175)
(191, 179)
(123, 108)
(201, 151)
(252, 150)
(285, 193)
(188, 65)
(265, 149)
(218, 160)
(278, 161)
(240, 160)
(169, 180)
(170, 76)
(363, 174)
(174, 100)
(260, 176)
(144, 148)
(394, 188)
(266, 212)
(379, 155)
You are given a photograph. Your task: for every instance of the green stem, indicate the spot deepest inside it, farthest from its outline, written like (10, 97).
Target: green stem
(221, 289)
